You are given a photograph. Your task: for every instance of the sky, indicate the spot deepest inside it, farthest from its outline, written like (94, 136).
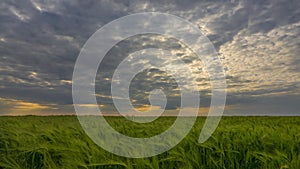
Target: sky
(258, 43)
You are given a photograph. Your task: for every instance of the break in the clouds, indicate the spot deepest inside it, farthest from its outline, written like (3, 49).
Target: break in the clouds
(258, 43)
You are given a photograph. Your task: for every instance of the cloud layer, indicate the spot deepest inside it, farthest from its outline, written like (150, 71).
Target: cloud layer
(258, 43)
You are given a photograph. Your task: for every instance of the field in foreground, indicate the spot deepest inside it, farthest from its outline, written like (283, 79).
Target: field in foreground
(239, 142)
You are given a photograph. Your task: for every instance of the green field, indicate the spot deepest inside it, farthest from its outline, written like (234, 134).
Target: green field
(239, 142)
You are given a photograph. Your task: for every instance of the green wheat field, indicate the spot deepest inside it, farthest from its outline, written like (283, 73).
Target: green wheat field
(33, 142)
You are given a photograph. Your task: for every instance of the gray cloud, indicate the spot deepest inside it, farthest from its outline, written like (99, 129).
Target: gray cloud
(258, 42)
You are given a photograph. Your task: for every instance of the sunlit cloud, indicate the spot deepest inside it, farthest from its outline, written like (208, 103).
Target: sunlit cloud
(19, 107)
(19, 14)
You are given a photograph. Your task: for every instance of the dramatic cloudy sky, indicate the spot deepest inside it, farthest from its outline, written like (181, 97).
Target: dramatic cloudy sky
(258, 43)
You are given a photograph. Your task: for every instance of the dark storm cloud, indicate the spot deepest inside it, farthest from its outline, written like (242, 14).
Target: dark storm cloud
(40, 41)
